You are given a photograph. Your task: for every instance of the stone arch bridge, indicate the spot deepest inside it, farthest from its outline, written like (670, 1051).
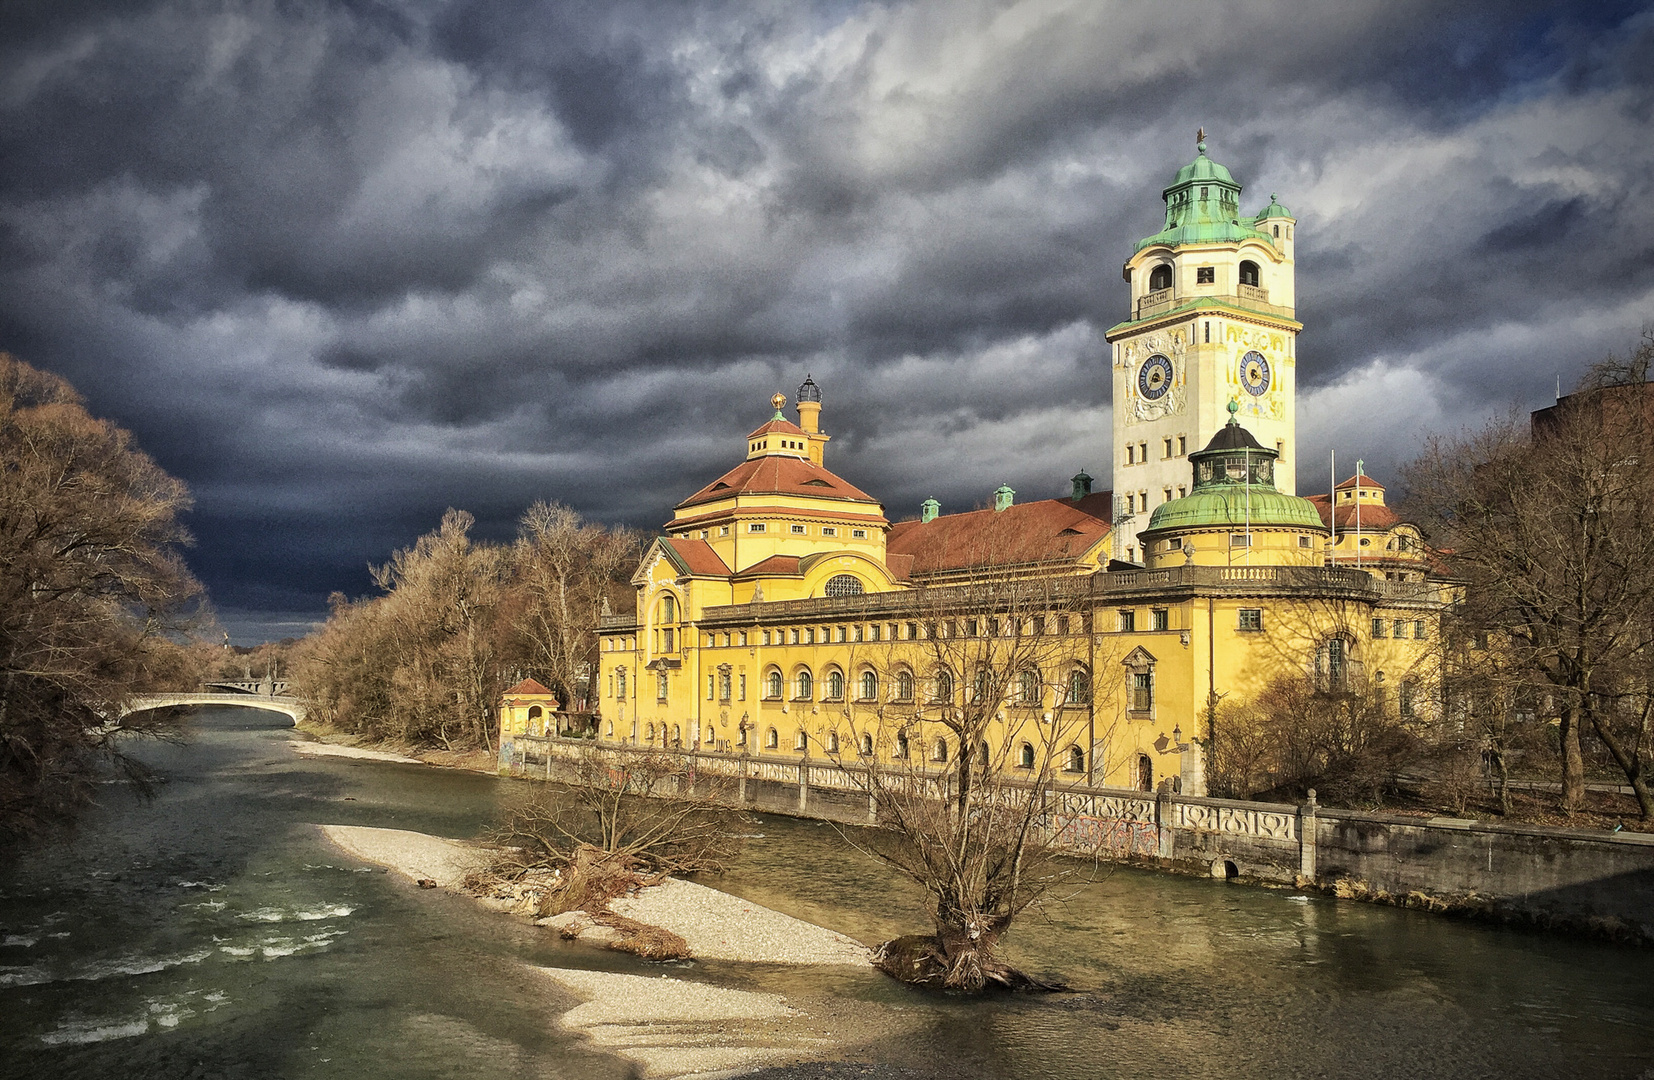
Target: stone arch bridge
(291, 706)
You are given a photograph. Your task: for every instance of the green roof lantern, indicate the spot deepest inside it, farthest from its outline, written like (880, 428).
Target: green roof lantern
(1202, 206)
(1273, 210)
(1234, 488)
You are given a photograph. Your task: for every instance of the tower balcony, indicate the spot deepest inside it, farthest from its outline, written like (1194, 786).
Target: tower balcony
(1246, 298)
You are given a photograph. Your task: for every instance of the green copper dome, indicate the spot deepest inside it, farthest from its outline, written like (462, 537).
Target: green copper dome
(1234, 488)
(1273, 210)
(1203, 207)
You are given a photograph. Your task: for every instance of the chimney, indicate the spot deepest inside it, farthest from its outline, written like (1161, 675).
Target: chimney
(1002, 497)
(1082, 485)
(929, 509)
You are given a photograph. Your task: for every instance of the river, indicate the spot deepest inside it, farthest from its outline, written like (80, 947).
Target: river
(211, 932)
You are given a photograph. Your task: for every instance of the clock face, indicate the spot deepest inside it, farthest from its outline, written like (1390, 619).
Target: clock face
(1254, 374)
(1154, 378)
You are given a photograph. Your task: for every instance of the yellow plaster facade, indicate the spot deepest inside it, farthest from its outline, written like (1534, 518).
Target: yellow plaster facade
(782, 615)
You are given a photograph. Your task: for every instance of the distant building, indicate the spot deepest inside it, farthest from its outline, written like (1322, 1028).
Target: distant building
(527, 709)
(784, 615)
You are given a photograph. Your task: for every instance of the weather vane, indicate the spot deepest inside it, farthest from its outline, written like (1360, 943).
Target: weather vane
(1200, 135)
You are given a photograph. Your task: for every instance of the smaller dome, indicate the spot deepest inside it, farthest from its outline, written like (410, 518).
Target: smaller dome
(1273, 210)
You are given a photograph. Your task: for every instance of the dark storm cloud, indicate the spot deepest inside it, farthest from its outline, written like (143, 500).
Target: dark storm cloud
(341, 265)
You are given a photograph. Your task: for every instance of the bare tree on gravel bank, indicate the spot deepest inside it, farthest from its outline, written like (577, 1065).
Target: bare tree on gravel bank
(1000, 715)
(616, 827)
(90, 583)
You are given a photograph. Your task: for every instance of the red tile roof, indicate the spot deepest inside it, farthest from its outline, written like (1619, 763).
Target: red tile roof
(698, 557)
(779, 474)
(1360, 479)
(1049, 530)
(728, 514)
(529, 687)
(1373, 515)
(774, 566)
(785, 427)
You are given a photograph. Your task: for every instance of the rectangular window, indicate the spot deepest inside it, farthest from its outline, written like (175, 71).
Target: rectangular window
(1418, 630)
(1131, 554)
(913, 631)
(743, 684)
(1208, 333)
(828, 530)
(1182, 445)
(1181, 491)
(710, 688)
(756, 526)
(741, 639)
(858, 534)
(1165, 494)
(666, 641)
(1378, 628)
(1131, 504)
(1400, 629)
(1128, 621)
(723, 686)
(1205, 275)
(1062, 624)
(764, 637)
(799, 530)
(1166, 445)
(809, 635)
(723, 530)
(1143, 452)
(843, 634)
(1251, 618)
(1131, 454)
(1142, 691)
(1162, 619)
(792, 636)
(1304, 541)
(1240, 540)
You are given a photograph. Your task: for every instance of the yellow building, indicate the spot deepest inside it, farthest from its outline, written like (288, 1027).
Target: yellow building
(783, 614)
(527, 709)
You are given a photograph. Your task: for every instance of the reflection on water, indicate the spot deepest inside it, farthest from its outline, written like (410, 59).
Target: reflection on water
(212, 933)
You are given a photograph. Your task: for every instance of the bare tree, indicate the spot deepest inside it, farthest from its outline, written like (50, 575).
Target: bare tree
(90, 581)
(984, 709)
(566, 568)
(1552, 524)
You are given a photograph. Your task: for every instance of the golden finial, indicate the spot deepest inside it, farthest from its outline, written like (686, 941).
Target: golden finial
(778, 402)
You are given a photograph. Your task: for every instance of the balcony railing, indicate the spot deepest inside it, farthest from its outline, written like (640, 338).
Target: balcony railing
(1250, 297)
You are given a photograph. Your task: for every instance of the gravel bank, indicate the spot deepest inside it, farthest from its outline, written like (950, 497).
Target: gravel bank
(412, 854)
(719, 926)
(316, 749)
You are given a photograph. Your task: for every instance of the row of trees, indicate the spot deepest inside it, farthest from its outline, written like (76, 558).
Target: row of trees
(91, 586)
(458, 620)
(1550, 522)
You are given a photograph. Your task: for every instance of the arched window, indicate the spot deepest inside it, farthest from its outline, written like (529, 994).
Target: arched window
(806, 685)
(1079, 687)
(982, 753)
(1331, 666)
(668, 608)
(609, 729)
(801, 742)
(1249, 273)
(1028, 691)
(1076, 759)
(900, 753)
(866, 745)
(832, 742)
(835, 685)
(844, 585)
(1409, 692)
(649, 734)
(677, 735)
(869, 686)
(1025, 756)
(534, 712)
(904, 686)
(772, 740)
(1145, 773)
(983, 686)
(772, 685)
(939, 752)
(944, 685)
(1160, 277)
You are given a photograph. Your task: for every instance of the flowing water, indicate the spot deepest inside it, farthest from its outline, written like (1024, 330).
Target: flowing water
(212, 932)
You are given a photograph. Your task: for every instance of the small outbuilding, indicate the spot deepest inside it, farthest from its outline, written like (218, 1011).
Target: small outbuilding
(527, 709)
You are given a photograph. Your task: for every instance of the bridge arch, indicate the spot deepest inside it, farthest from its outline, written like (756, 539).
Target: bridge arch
(290, 706)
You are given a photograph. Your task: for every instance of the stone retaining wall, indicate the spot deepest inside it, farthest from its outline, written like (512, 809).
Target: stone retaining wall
(1594, 881)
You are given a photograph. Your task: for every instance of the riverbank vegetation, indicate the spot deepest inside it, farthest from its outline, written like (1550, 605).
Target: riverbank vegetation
(91, 585)
(615, 828)
(460, 619)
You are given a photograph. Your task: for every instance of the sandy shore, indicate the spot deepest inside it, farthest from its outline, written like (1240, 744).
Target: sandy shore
(318, 749)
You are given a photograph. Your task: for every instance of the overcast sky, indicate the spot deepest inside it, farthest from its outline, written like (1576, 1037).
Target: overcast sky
(343, 265)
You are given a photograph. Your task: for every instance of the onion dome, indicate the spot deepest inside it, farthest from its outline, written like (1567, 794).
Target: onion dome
(1202, 207)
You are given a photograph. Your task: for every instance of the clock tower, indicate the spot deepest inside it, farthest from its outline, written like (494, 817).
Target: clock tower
(1211, 322)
